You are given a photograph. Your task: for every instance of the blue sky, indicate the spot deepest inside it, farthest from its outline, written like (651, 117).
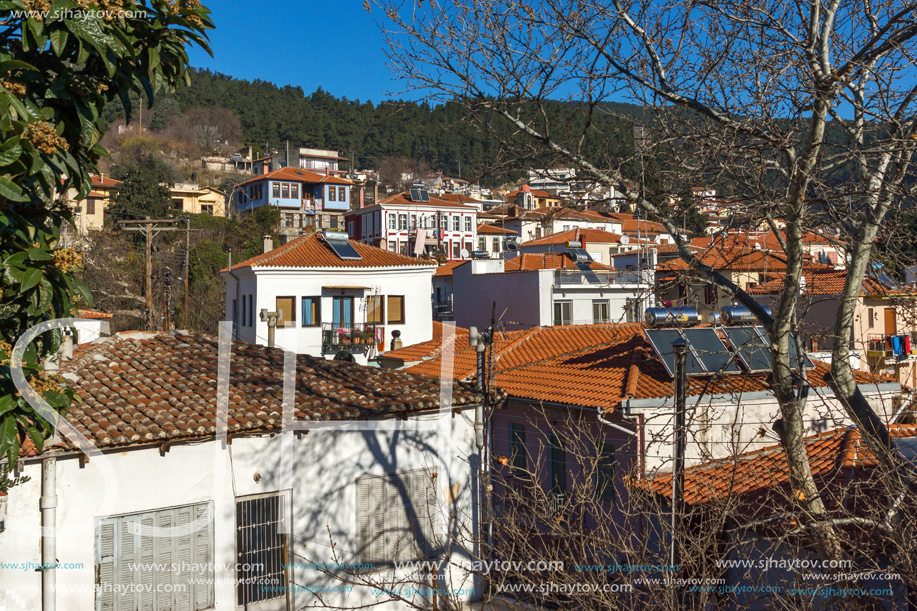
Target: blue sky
(334, 44)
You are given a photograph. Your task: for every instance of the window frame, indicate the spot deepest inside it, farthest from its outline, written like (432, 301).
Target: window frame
(388, 308)
(294, 190)
(275, 190)
(317, 308)
(563, 302)
(332, 194)
(518, 460)
(607, 307)
(604, 475)
(245, 579)
(379, 309)
(468, 224)
(292, 298)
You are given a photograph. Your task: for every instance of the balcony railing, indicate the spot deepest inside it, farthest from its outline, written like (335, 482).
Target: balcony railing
(443, 306)
(355, 337)
(883, 346)
(572, 278)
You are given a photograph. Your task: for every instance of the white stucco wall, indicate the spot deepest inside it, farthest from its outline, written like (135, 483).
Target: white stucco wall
(267, 284)
(326, 465)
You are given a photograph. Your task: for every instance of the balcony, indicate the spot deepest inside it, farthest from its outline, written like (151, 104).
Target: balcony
(356, 338)
(574, 278)
(884, 347)
(443, 307)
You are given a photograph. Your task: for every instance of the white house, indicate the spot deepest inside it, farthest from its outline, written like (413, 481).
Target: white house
(542, 290)
(600, 245)
(170, 510)
(417, 223)
(333, 295)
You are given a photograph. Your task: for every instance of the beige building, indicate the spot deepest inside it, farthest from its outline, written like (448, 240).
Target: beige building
(89, 213)
(192, 199)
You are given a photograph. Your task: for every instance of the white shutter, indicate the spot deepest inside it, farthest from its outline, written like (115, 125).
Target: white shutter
(202, 594)
(165, 556)
(106, 536)
(182, 545)
(127, 559)
(364, 522)
(147, 573)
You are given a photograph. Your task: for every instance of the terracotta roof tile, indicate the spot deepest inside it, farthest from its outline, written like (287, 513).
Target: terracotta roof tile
(145, 388)
(528, 261)
(446, 269)
(84, 313)
(104, 181)
(829, 282)
(429, 348)
(494, 230)
(754, 472)
(592, 236)
(598, 366)
(404, 199)
(312, 251)
(299, 175)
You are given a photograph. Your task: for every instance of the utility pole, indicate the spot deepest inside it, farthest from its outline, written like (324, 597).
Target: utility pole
(187, 266)
(150, 228)
(680, 349)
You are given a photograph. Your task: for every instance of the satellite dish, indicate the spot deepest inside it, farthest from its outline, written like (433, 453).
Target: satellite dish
(464, 253)
(625, 239)
(511, 245)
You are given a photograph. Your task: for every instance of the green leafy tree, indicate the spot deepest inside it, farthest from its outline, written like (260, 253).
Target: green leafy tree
(165, 113)
(58, 73)
(142, 193)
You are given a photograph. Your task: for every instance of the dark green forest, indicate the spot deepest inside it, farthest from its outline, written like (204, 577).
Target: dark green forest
(440, 135)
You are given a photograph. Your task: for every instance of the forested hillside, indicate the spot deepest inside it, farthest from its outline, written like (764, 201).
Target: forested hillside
(271, 115)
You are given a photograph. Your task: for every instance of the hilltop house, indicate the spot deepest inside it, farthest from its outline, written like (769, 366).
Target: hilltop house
(190, 198)
(194, 495)
(89, 214)
(308, 201)
(333, 295)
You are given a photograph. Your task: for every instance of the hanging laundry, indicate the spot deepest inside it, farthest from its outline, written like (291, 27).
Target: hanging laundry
(896, 345)
(907, 344)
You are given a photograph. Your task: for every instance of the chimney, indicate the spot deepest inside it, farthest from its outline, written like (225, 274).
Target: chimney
(264, 167)
(267, 244)
(66, 348)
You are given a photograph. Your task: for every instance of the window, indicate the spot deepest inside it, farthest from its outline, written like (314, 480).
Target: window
(871, 316)
(286, 311)
(710, 294)
(566, 227)
(251, 311)
(632, 310)
(294, 191)
(467, 223)
(288, 221)
(396, 516)
(396, 309)
(90, 206)
(496, 244)
(392, 223)
(375, 309)
(350, 231)
(260, 548)
(178, 204)
(308, 221)
(244, 317)
(403, 248)
(126, 557)
(456, 223)
(402, 222)
(332, 194)
(455, 250)
(311, 311)
(332, 222)
(392, 245)
(342, 194)
(342, 312)
(518, 459)
(206, 209)
(558, 465)
(468, 247)
(275, 189)
(482, 243)
(600, 311)
(235, 312)
(537, 232)
(285, 190)
(605, 473)
(562, 312)
(413, 221)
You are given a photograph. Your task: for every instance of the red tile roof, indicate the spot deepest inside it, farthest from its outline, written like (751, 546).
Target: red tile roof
(299, 175)
(528, 261)
(146, 388)
(741, 259)
(755, 472)
(429, 348)
(598, 366)
(534, 192)
(95, 314)
(592, 236)
(311, 251)
(829, 282)
(104, 181)
(458, 198)
(494, 230)
(404, 199)
(97, 194)
(446, 269)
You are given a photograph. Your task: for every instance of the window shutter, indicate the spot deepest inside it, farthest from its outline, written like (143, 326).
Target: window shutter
(364, 513)
(203, 557)
(165, 555)
(127, 557)
(182, 555)
(377, 488)
(147, 575)
(106, 561)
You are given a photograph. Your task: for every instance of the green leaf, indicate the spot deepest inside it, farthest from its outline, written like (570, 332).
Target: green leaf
(16, 259)
(84, 292)
(6, 403)
(30, 279)
(11, 191)
(39, 254)
(9, 435)
(59, 41)
(10, 151)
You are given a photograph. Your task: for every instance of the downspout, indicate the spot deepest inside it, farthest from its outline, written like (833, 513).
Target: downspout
(910, 397)
(235, 310)
(602, 419)
(48, 533)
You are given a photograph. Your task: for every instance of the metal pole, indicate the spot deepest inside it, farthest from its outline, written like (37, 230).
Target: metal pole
(187, 267)
(149, 274)
(48, 534)
(680, 349)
